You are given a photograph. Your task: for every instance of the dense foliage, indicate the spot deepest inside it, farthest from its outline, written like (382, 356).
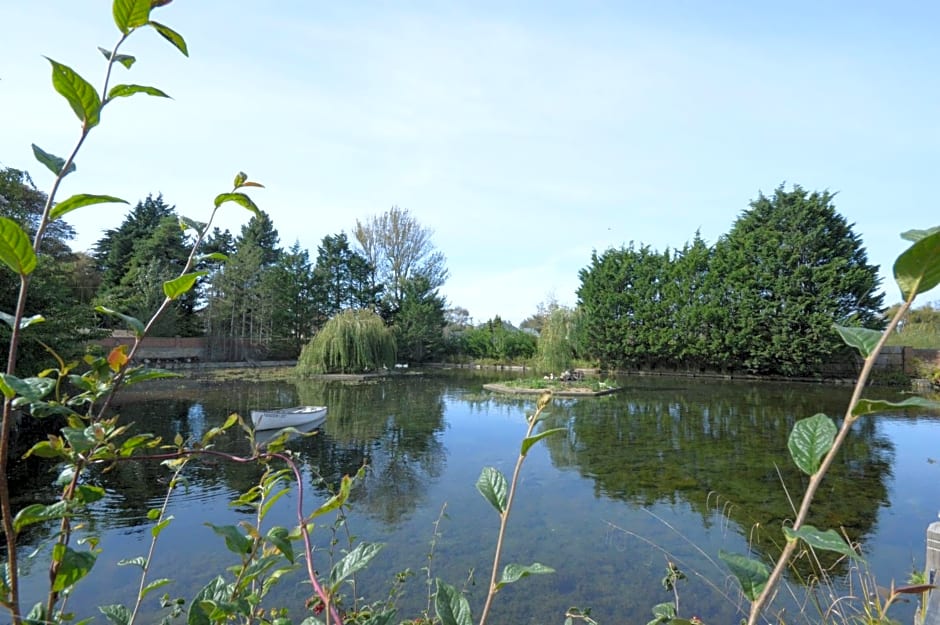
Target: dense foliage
(419, 324)
(495, 340)
(762, 300)
(556, 345)
(61, 280)
(789, 269)
(94, 438)
(134, 259)
(354, 341)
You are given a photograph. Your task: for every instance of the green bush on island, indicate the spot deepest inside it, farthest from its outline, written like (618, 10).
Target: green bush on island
(354, 341)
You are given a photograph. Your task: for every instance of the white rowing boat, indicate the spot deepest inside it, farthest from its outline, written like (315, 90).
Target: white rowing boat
(288, 417)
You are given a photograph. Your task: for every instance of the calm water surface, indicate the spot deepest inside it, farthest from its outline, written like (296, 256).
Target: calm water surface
(671, 469)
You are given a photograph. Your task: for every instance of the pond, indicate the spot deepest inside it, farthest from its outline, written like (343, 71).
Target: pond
(669, 469)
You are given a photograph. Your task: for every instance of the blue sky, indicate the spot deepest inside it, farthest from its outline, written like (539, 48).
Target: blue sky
(524, 134)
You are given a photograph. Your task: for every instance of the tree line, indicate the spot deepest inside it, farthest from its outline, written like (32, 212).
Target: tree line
(761, 299)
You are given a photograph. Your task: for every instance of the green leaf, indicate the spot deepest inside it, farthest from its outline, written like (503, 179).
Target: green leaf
(81, 439)
(86, 494)
(216, 256)
(134, 324)
(37, 513)
(182, 284)
(868, 406)
(117, 614)
(73, 566)
(451, 606)
(157, 529)
(354, 561)
(24, 323)
(336, 500)
(751, 574)
(917, 270)
(145, 374)
(215, 590)
(172, 36)
(271, 500)
(528, 441)
(240, 179)
(810, 440)
(494, 488)
(280, 538)
(663, 613)
(380, 618)
(16, 251)
(239, 198)
(33, 389)
(37, 615)
(124, 59)
(125, 91)
(828, 540)
(917, 235)
(157, 583)
(514, 572)
(45, 449)
(81, 96)
(28, 321)
(190, 224)
(53, 162)
(862, 339)
(130, 14)
(138, 561)
(235, 541)
(80, 200)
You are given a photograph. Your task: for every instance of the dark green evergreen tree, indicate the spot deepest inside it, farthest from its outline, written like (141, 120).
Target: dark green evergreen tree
(419, 325)
(242, 297)
(689, 304)
(135, 259)
(343, 279)
(619, 299)
(295, 309)
(58, 287)
(790, 268)
(115, 249)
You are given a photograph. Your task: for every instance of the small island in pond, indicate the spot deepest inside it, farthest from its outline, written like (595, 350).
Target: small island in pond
(566, 385)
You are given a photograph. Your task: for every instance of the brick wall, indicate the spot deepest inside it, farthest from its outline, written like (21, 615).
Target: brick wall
(161, 348)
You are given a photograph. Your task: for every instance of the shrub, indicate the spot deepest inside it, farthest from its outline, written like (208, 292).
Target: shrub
(354, 341)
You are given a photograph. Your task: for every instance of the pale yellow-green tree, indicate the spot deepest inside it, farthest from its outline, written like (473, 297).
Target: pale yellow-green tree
(556, 347)
(354, 341)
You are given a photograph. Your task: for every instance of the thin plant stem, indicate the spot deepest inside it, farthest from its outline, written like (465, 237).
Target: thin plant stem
(763, 599)
(543, 401)
(427, 569)
(153, 545)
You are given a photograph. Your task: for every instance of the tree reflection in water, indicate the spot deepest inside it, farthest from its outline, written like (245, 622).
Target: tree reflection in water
(680, 447)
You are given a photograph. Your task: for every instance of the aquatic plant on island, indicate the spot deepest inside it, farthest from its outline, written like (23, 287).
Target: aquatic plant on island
(81, 394)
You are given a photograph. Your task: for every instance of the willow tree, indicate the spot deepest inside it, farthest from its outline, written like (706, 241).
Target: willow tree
(354, 341)
(555, 347)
